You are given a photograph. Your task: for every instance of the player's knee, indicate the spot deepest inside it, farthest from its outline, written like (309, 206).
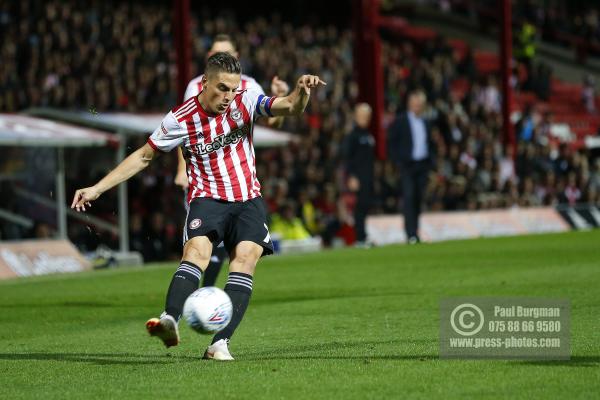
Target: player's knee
(198, 251)
(246, 256)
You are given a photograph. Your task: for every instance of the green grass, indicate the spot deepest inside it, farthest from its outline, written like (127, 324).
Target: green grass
(339, 324)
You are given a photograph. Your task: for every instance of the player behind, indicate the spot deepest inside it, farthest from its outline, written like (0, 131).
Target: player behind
(223, 43)
(225, 203)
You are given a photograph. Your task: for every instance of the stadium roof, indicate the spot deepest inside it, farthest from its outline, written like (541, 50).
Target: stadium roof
(22, 130)
(144, 124)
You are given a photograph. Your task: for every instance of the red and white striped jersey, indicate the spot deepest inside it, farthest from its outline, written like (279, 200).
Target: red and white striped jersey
(195, 86)
(217, 147)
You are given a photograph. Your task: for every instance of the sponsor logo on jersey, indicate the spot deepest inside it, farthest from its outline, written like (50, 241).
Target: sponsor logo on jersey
(163, 129)
(221, 141)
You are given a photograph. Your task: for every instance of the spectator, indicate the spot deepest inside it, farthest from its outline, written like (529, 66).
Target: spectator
(571, 194)
(411, 148)
(359, 160)
(507, 168)
(286, 225)
(525, 49)
(588, 95)
(41, 230)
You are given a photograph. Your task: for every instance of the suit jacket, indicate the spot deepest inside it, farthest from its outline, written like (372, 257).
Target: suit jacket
(400, 142)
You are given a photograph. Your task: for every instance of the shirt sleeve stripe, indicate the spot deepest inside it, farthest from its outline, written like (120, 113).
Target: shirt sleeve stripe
(268, 105)
(154, 146)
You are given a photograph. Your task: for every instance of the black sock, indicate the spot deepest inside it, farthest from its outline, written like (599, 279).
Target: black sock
(239, 289)
(184, 282)
(209, 278)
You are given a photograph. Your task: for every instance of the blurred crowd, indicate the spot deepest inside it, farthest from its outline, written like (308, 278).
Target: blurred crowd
(474, 170)
(116, 57)
(573, 24)
(107, 55)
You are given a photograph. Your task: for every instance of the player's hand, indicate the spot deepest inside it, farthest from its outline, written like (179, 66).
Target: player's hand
(84, 197)
(279, 88)
(181, 179)
(306, 82)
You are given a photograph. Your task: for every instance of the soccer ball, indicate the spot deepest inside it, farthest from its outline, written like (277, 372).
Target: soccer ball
(208, 310)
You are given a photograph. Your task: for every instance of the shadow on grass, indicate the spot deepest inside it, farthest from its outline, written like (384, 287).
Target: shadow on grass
(582, 361)
(367, 358)
(575, 361)
(91, 304)
(100, 358)
(141, 359)
(321, 295)
(327, 351)
(259, 301)
(368, 351)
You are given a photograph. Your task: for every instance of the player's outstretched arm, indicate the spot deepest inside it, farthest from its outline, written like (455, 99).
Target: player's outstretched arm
(296, 102)
(137, 161)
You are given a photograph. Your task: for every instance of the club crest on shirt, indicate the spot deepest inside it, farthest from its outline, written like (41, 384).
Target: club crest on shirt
(195, 223)
(236, 115)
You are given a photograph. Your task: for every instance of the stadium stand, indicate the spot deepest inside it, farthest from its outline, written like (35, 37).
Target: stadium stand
(119, 61)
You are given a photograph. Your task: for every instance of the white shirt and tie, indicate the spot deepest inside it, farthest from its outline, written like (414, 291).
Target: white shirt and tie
(419, 137)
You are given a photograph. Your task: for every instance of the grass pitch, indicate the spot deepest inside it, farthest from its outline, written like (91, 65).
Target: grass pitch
(347, 324)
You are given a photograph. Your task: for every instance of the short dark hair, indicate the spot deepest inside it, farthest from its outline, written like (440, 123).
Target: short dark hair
(417, 92)
(222, 62)
(223, 37)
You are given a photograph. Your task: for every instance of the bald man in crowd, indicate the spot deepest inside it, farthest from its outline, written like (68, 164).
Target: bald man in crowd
(359, 158)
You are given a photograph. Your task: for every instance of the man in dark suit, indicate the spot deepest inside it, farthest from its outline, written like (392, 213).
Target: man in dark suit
(358, 152)
(410, 147)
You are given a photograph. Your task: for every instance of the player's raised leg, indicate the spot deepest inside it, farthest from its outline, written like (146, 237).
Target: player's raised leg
(239, 288)
(186, 279)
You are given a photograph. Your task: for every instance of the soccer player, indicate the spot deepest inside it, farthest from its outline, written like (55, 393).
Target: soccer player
(223, 43)
(225, 204)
